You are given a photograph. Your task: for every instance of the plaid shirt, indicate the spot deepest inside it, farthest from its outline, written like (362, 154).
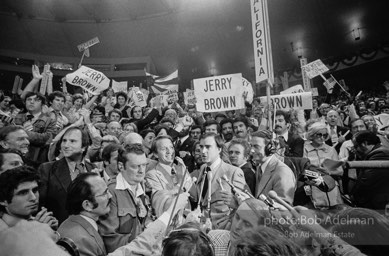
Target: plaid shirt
(220, 240)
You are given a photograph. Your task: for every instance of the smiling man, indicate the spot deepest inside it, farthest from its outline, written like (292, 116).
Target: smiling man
(166, 175)
(56, 176)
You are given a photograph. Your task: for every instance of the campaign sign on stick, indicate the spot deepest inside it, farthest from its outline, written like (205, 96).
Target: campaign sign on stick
(219, 93)
(86, 45)
(314, 68)
(119, 86)
(189, 97)
(173, 96)
(296, 101)
(294, 89)
(88, 79)
(261, 41)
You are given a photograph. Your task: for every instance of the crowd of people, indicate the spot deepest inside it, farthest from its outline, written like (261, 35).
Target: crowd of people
(99, 176)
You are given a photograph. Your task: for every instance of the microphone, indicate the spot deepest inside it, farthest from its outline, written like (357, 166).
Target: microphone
(273, 195)
(209, 175)
(266, 200)
(235, 189)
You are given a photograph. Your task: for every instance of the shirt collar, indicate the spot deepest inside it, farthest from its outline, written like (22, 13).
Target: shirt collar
(184, 138)
(122, 184)
(10, 220)
(72, 164)
(285, 135)
(245, 162)
(265, 164)
(166, 167)
(91, 221)
(215, 164)
(310, 148)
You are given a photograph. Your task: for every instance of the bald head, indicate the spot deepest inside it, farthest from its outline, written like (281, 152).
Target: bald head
(114, 128)
(133, 138)
(332, 118)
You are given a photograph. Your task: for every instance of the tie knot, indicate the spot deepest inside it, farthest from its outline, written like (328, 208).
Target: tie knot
(173, 172)
(30, 117)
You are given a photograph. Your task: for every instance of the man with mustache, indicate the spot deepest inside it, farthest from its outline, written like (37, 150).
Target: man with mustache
(227, 131)
(88, 199)
(295, 144)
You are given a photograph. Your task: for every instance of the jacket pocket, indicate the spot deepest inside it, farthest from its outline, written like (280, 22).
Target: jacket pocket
(127, 219)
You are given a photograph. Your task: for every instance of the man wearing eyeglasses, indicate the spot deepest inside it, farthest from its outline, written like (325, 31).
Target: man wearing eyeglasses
(88, 199)
(40, 127)
(129, 208)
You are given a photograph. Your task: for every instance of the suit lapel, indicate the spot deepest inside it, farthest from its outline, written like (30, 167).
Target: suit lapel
(266, 176)
(91, 231)
(163, 175)
(62, 173)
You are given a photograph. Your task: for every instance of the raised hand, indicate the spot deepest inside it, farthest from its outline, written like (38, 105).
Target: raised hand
(35, 72)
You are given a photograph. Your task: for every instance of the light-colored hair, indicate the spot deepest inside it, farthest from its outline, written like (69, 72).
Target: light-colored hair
(315, 128)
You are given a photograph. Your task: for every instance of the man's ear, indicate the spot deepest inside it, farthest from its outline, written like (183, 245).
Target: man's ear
(87, 205)
(120, 166)
(3, 144)
(4, 203)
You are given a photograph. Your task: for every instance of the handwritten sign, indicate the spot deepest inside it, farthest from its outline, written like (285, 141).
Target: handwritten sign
(296, 101)
(88, 79)
(119, 86)
(159, 101)
(306, 81)
(219, 93)
(139, 99)
(189, 97)
(86, 45)
(173, 97)
(248, 88)
(261, 40)
(314, 68)
(294, 89)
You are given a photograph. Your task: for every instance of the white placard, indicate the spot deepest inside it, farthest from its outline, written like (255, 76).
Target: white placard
(296, 101)
(248, 88)
(89, 79)
(315, 68)
(315, 92)
(261, 40)
(189, 97)
(306, 80)
(294, 89)
(86, 45)
(139, 99)
(119, 86)
(219, 93)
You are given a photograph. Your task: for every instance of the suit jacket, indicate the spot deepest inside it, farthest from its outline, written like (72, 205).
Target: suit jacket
(159, 179)
(372, 187)
(84, 235)
(340, 131)
(278, 177)
(219, 210)
(55, 180)
(295, 146)
(249, 176)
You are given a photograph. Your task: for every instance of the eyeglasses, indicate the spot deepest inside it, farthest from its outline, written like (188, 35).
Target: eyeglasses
(105, 194)
(319, 135)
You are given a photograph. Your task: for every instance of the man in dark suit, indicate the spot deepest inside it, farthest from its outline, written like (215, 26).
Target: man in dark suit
(88, 199)
(338, 134)
(56, 176)
(294, 143)
(372, 187)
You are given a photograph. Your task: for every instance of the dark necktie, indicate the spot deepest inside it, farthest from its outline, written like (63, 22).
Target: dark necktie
(178, 144)
(174, 176)
(30, 117)
(205, 188)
